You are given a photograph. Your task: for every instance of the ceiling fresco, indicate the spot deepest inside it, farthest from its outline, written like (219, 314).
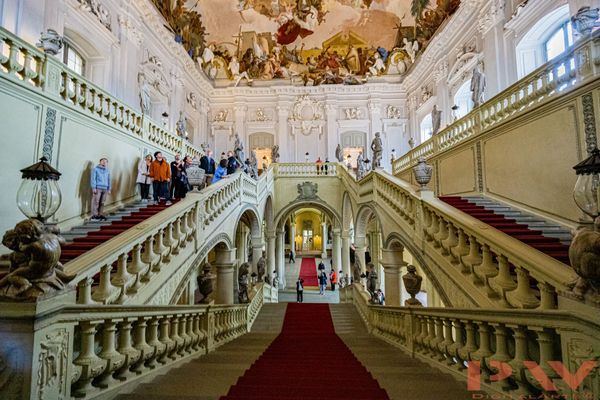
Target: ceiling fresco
(304, 41)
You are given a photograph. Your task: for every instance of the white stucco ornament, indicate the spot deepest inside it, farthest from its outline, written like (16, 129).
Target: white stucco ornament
(51, 42)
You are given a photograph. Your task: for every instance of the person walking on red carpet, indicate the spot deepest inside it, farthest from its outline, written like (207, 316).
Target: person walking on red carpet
(100, 189)
(300, 290)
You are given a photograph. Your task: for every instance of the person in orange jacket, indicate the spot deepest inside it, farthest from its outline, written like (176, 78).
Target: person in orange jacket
(160, 172)
(333, 279)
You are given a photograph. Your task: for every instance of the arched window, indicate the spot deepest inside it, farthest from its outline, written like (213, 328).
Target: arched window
(426, 128)
(547, 38)
(463, 100)
(73, 59)
(558, 41)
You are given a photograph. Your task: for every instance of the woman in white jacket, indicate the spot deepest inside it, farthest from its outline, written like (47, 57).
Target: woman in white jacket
(143, 177)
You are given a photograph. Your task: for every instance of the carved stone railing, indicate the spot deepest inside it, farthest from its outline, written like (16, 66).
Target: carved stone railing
(502, 271)
(30, 68)
(91, 351)
(575, 68)
(487, 339)
(306, 169)
(131, 267)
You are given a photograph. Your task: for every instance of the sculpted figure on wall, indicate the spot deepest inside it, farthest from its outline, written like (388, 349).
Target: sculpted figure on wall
(238, 148)
(275, 153)
(35, 267)
(478, 85)
(436, 119)
(243, 283)
(377, 148)
(261, 267)
(206, 283)
(339, 153)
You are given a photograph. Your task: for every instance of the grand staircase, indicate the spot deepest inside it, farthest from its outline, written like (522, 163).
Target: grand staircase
(229, 368)
(546, 237)
(87, 236)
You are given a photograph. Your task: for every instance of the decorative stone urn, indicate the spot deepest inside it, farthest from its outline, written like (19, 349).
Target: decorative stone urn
(412, 283)
(585, 20)
(196, 175)
(423, 172)
(51, 42)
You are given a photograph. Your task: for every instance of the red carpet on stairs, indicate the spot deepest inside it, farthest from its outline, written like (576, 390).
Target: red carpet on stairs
(308, 271)
(548, 245)
(106, 232)
(306, 361)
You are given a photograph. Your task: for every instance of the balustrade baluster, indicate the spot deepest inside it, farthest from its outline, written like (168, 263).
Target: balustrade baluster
(503, 282)
(484, 350)
(470, 346)
(450, 242)
(438, 339)
(131, 355)
(442, 233)
(105, 291)
(158, 348)
(122, 277)
(458, 343)
(88, 362)
(84, 291)
(521, 354)
(160, 249)
(434, 229)
(177, 349)
(149, 258)
(113, 360)
(183, 333)
(139, 343)
(547, 296)
(523, 296)
(136, 267)
(461, 249)
(444, 345)
(487, 270)
(165, 327)
(176, 237)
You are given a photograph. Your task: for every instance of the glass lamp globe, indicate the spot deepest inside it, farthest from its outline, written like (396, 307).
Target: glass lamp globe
(39, 195)
(587, 187)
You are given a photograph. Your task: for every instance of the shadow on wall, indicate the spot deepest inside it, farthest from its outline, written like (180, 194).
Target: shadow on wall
(85, 191)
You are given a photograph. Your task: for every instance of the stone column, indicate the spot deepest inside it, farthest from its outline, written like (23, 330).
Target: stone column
(224, 263)
(270, 253)
(257, 250)
(392, 262)
(359, 253)
(336, 252)
(346, 253)
(324, 240)
(280, 257)
(293, 236)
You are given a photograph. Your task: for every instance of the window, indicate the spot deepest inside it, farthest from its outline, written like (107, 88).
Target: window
(73, 59)
(426, 128)
(463, 100)
(558, 41)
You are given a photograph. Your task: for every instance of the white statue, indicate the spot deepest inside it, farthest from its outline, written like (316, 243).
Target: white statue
(361, 167)
(436, 120)
(377, 148)
(145, 100)
(411, 49)
(238, 148)
(478, 85)
(378, 65)
(51, 42)
(180, 126)
(339, 154)
(234, 67)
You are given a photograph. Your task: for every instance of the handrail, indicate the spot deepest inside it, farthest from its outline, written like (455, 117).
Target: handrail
(450, 338)
(32, 69)
(129, 262)
(501, 269)
(306, 169)
(562, 74)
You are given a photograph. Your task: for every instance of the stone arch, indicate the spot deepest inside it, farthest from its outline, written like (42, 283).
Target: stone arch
(251, 217)
(363, 217)
(335, 217)
(347, 212)
(395, 240)
(268, 214)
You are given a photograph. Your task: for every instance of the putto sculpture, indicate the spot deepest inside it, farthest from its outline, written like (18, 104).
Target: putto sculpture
(243, 283)
(206, 283)
(35, 268)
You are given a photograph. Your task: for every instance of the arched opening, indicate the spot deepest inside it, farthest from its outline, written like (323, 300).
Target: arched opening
(262, 144)
(426, 128)
(368, 246)
(548, 38)
(463, 100)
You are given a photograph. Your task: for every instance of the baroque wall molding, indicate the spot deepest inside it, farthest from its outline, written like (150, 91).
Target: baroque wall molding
(589, 120)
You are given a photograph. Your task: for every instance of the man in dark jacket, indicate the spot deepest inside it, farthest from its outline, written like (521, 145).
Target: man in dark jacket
(207, 163)
(232, 163)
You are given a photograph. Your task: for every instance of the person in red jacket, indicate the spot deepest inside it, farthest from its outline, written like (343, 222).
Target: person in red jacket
(333, 279)
(160, 172)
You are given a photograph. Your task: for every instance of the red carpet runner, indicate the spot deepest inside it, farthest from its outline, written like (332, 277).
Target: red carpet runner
(308, 272)
(548, 245)
(306, 361)
(93, 239)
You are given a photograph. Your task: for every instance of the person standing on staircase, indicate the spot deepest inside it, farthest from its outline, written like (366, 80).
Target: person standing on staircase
(160, 172)
(322, 282)
(100, 189)
(300, 290)
(143, 178)
(292, 258)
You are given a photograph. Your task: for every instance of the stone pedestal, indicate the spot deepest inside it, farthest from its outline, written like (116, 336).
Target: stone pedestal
(392, 261)
(224, 262)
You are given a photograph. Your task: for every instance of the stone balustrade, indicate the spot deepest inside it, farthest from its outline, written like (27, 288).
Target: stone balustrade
(452, 338)
(29, 67)
(306, 169)
(506, 272)
(573, 69)
(128, 268)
